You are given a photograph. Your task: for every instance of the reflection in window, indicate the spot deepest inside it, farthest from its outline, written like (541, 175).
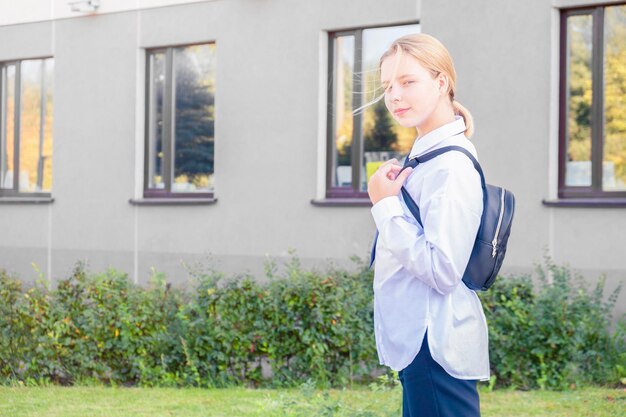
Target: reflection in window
(344, 126)
(7, 126)
(579, 93)
(26, 127)
(593, 118)
(614, 158)
(360, 141)
(194, 69)
(156, 96)
(180, 121)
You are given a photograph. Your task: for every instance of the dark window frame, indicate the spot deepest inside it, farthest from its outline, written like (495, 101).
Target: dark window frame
(354, 190)
(594, 192)
(14, 194)
(168, 139)
(346, 195)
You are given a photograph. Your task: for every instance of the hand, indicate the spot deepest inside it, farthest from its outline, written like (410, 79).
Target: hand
(386, 182)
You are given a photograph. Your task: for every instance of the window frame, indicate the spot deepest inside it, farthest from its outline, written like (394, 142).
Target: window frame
(594, 192)
(353, 194)
(169, 139)
(17, 124)
(357, 119)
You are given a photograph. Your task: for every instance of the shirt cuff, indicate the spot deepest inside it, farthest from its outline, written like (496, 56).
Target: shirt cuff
(385, 209)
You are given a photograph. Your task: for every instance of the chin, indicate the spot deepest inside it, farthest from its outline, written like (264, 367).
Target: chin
(406, 122)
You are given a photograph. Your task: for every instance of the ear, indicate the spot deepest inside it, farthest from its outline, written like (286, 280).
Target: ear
(443, 82)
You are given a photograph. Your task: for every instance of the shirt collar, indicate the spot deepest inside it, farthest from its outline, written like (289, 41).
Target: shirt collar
(433, 138)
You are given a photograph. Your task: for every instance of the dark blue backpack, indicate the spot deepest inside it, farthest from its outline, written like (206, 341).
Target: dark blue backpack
(495, 224)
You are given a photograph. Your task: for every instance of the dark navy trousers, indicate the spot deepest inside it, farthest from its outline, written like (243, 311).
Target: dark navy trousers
(429, 391)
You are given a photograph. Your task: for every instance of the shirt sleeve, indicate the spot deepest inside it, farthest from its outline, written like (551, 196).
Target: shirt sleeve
(450, 208)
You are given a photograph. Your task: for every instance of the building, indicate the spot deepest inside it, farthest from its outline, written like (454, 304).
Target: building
(159, 132)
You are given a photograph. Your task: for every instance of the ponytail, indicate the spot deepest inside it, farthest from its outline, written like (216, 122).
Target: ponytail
(460, 110)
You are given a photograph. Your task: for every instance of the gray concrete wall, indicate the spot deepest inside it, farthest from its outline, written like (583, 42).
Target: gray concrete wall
(267, 141)
(270, 137)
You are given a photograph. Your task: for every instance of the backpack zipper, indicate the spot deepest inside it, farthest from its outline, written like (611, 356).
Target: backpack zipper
(494, 242)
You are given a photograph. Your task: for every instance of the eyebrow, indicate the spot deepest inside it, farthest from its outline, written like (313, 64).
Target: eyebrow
(400, 78)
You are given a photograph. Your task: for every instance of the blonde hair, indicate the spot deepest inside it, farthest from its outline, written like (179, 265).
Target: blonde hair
(433, 56)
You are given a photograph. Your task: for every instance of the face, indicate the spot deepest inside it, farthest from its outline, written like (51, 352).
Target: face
(414, 97)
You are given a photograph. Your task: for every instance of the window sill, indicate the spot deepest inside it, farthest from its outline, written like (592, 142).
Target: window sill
(26, 200)
(342, 202)
(586, 202)
(172, 201)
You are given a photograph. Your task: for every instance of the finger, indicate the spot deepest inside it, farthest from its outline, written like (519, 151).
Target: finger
(385, 169)
(393, 171)
(404, 174)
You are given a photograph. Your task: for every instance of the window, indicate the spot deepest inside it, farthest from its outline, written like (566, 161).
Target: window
(359, 141)
(26, 127)
(592, 125)
(180, 122)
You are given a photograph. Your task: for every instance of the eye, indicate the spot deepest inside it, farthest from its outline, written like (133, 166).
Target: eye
(407, 82)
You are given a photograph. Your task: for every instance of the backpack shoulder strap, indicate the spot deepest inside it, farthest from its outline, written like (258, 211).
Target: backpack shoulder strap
(413, 162)
(432, 154)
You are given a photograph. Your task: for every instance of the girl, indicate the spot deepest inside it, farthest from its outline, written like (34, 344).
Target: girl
(429, 326)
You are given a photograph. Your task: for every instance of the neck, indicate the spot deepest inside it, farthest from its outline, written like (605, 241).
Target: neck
(443, 115)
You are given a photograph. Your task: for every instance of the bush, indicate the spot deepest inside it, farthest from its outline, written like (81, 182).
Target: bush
(90, 327)
(302, 325)
(553, 337)
(14, 332)
(324, 323)
(298, 325)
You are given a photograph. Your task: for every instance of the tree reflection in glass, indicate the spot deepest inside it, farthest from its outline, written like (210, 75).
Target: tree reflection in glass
(36, 125)
(194, 121)
(614, 160)
(342, 104)
(155, 120)
(579, 35)
(7, 124)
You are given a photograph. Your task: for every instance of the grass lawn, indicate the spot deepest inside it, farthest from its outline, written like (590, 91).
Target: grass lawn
(239, 402)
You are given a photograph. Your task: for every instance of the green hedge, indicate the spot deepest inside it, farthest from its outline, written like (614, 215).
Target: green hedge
(556, 335)
(302, 325)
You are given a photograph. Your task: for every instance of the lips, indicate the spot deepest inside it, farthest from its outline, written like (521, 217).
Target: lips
(400, 112)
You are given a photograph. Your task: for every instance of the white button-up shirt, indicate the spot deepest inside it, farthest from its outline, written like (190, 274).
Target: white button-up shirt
(418, 271)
